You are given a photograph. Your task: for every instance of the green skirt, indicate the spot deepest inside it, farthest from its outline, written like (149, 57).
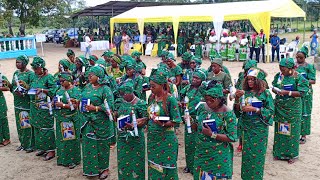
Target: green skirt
(306, 113)
(24, 129)
(287, 128)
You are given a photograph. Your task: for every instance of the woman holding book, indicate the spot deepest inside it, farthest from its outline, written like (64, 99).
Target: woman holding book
(24, 77)
(63, 66)
(289, 87)
(4, 125)
(131, 142)
(96, 125)
(71, 58)
(41, 110)
(191, 95)
(79, 73)
(309, 72)
(67, 122)
(217, 128)
(175, 72)
(164, 116)
(254, 106)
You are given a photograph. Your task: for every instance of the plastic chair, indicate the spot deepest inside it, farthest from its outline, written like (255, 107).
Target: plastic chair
(136, 47)
(283, 53)
(154, 52)
(173, 51)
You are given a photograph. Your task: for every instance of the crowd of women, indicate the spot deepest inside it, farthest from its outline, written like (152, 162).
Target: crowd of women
(100, 103)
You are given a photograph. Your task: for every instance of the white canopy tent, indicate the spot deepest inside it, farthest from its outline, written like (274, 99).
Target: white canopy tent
(258, 12)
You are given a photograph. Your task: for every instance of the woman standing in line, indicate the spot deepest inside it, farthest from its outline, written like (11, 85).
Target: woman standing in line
(4, 125)
(164, 117)
(41, 118)
(125, 40)
(22, 104)
(292, 87)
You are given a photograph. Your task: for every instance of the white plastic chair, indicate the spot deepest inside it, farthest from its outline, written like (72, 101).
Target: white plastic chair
(283, 53)
(292, 48)
(173, 51)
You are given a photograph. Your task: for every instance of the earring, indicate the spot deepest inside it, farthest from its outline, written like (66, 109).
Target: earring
(290, 72)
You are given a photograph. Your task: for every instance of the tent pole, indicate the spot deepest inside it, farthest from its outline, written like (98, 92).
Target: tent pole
(304, 30)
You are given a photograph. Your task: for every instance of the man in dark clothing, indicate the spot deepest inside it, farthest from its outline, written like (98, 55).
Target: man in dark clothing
(275, 43)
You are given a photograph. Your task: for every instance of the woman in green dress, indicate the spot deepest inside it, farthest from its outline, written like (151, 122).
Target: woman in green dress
(214, 152)
(191, 95)
(255, 121)
(175, 72)
(22, 104)
(4, 125)
(162, 142)
(293, 86)
(198, 41)
(243, 50)
(67, 122)
(232, 40)
(96, 128)
(131, 146)
(161, 40)
(41, 118)
(71, 58)
(309, 72)
(181, 44)
(63, 66)
(224, 46)
(132, 75)
(79, 73)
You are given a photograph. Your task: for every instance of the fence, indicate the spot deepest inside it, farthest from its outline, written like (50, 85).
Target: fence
(14, 47)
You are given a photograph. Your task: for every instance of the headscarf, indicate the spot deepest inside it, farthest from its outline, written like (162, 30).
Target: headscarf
(257, 73)
(136, 54)
(98, 71)
(101, 62)
(65, 63)
(130, 63)
(215, 92)
(70, 52)
(159, 75)
(199, 73)
(116, 58)
(83, 60)
(38, 62)
(250, 64)
(287, 62)
(304, 50)
(24, 59)
(198, 60)
(93, 58)
(170, 57)
(217, 61)
(108, 54)
(67, 76)
(127, 87)
(186, 56)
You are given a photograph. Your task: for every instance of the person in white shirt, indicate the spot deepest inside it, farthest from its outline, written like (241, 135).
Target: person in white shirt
(213, 41)
(87, 44)
(232, 47)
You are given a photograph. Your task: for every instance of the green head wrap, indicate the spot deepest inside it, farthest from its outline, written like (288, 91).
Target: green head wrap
(198, 60)
(99, 72)
(139, 68)
(83, 60)
(108, 54)
(129, 62)
(101, 62)
(136, 54)
(250, 64)
(257, 73)
(170, 57)
(24, 59)
(70, 52)
(287, 62)
(215, 92)
(217, 61)
(304, 50)
(38, 62)
(93, 58)
(127, 87)
(164, 54)
(199, 73)
(186, 56)
(65, 63)
(116, 58)
(67, 76)
(159, 75)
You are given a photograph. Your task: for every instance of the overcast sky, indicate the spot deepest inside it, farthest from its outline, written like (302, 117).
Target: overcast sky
(95, 2)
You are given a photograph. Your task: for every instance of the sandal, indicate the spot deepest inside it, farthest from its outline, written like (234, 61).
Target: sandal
(20, 148)
(41, 153)
(291, 161)
(72, 166)
(5, 143)
(186, 170)
(29, 150)
(48, 158)
(303, 140)
(103, 175)
(239, 149)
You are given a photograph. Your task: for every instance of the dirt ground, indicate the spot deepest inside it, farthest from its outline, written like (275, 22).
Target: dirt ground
(19, 165)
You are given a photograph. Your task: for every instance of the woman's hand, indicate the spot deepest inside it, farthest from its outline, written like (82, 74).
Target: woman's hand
(249, 109)
(59, 104)
(129, 126)
(185, 82)
(239, 94)
(40, 90)
(90, 107)
(141, 122)
(283, 92)
(206, 130)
